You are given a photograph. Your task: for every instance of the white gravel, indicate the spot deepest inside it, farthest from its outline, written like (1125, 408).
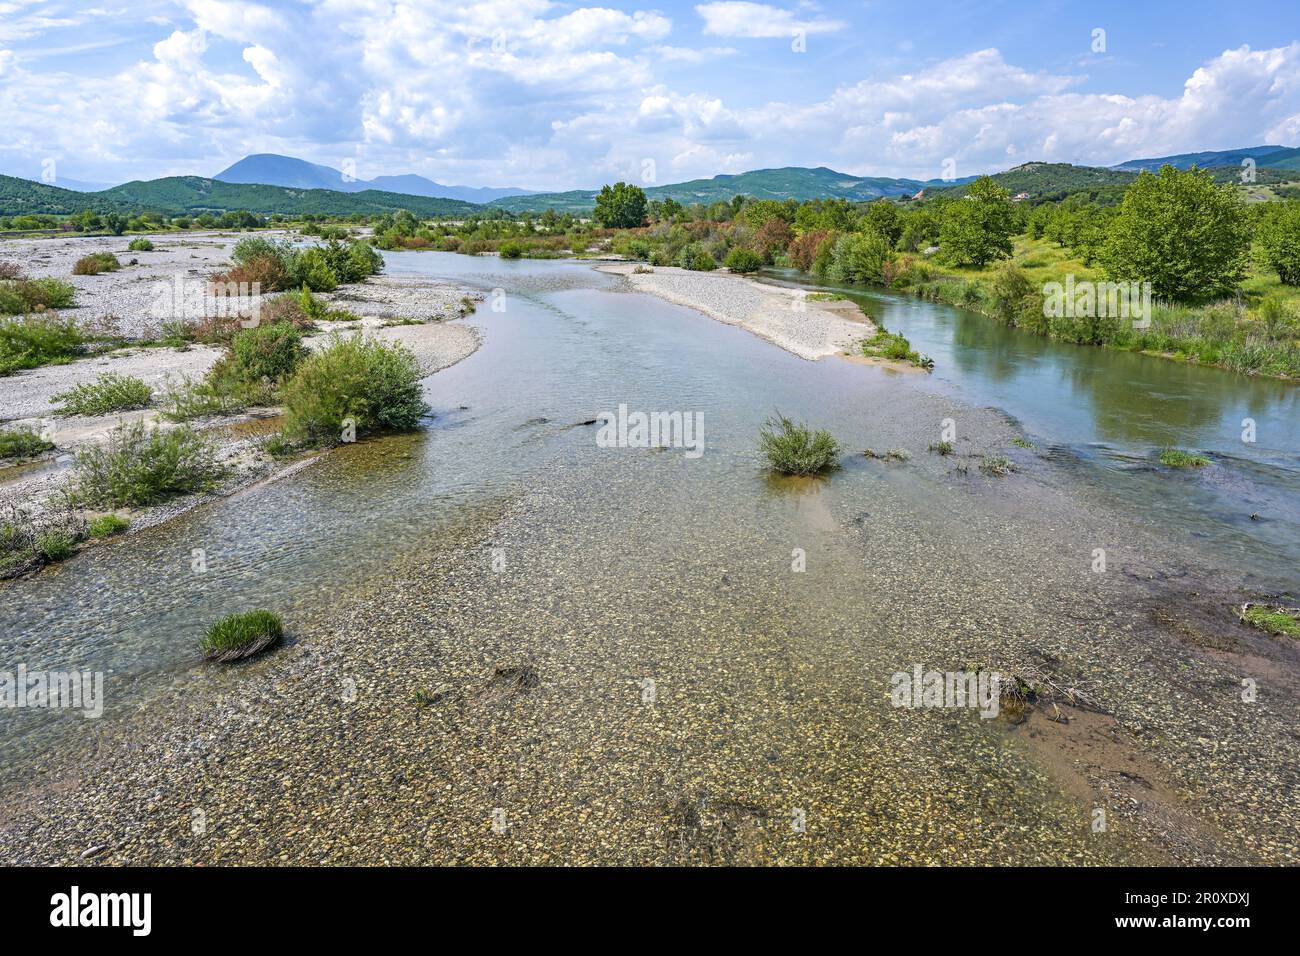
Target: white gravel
(784, 317)
(136, 300)
(405, 309)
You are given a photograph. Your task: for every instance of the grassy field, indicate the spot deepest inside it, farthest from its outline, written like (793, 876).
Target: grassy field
(1232, 333)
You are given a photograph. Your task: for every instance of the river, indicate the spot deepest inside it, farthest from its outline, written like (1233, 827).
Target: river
(681, 560)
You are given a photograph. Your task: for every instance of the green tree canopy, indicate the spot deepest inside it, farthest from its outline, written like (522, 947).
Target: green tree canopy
(620, 206)
(1279, 241)
(978, 228)
(1179, 231)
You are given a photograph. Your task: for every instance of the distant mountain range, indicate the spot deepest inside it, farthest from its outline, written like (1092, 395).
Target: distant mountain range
(270, 169)
(1266, 156)
(193, 195)
(309, 188)
(787, 182)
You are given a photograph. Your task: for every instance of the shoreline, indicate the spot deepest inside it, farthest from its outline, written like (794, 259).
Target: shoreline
(420, 314)
(809, 328)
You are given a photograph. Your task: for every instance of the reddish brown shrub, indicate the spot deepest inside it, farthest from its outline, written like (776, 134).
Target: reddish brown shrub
(10, 270)
(266, 272)
(803, 251)
(285, 308)
(773, 236)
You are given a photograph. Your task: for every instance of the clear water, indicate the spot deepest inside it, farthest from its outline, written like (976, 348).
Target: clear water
(570, 344)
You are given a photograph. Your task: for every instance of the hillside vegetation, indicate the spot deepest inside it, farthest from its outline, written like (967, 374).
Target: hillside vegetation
(179, 195)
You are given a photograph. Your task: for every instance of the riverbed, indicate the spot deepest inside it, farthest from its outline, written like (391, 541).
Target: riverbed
(510, 644)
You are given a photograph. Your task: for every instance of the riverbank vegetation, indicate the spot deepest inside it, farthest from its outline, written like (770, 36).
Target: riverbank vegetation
(142, 465)
(1278, 621)
(109, 393)
(1223, 274)
(19, 443)
(27, 544)
(106, 526)
(352, 386)
(274, 266)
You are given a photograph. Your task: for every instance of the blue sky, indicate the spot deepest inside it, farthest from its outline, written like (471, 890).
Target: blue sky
(564, 95)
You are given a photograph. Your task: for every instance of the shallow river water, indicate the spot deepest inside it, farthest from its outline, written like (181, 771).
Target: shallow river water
(676, 561)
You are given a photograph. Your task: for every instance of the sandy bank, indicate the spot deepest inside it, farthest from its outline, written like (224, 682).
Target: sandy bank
(405, 309)
(787, 318)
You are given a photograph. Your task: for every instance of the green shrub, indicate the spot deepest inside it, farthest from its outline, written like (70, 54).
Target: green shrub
(38, 340)
(743, 260)
(107, 394)
(860, 257)
(259, 247)
(265, 354)
(696, 259)
(511, 250)
(351, 262)
(242, 635)
(311, 268)
(95, 263)
(22, 443)
(140, 244)
(139, 465)
(105, 526)
(364, 259)
(1012, 295)
(177, 334)
(1278, 318)
(55, 545)
(187, 399)
(795, 449)
(369, 382)
(23, 296)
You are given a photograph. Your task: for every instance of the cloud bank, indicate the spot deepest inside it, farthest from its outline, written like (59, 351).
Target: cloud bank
(548, 96)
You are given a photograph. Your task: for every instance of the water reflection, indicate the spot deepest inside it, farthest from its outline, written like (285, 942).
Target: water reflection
(1084, 394)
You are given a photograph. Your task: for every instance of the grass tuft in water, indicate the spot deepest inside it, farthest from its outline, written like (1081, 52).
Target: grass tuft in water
(995, 465)
(795, 449)
(943, 448)
(1177, 458)
(27, 543)
(237, 636)
(1278, 621)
